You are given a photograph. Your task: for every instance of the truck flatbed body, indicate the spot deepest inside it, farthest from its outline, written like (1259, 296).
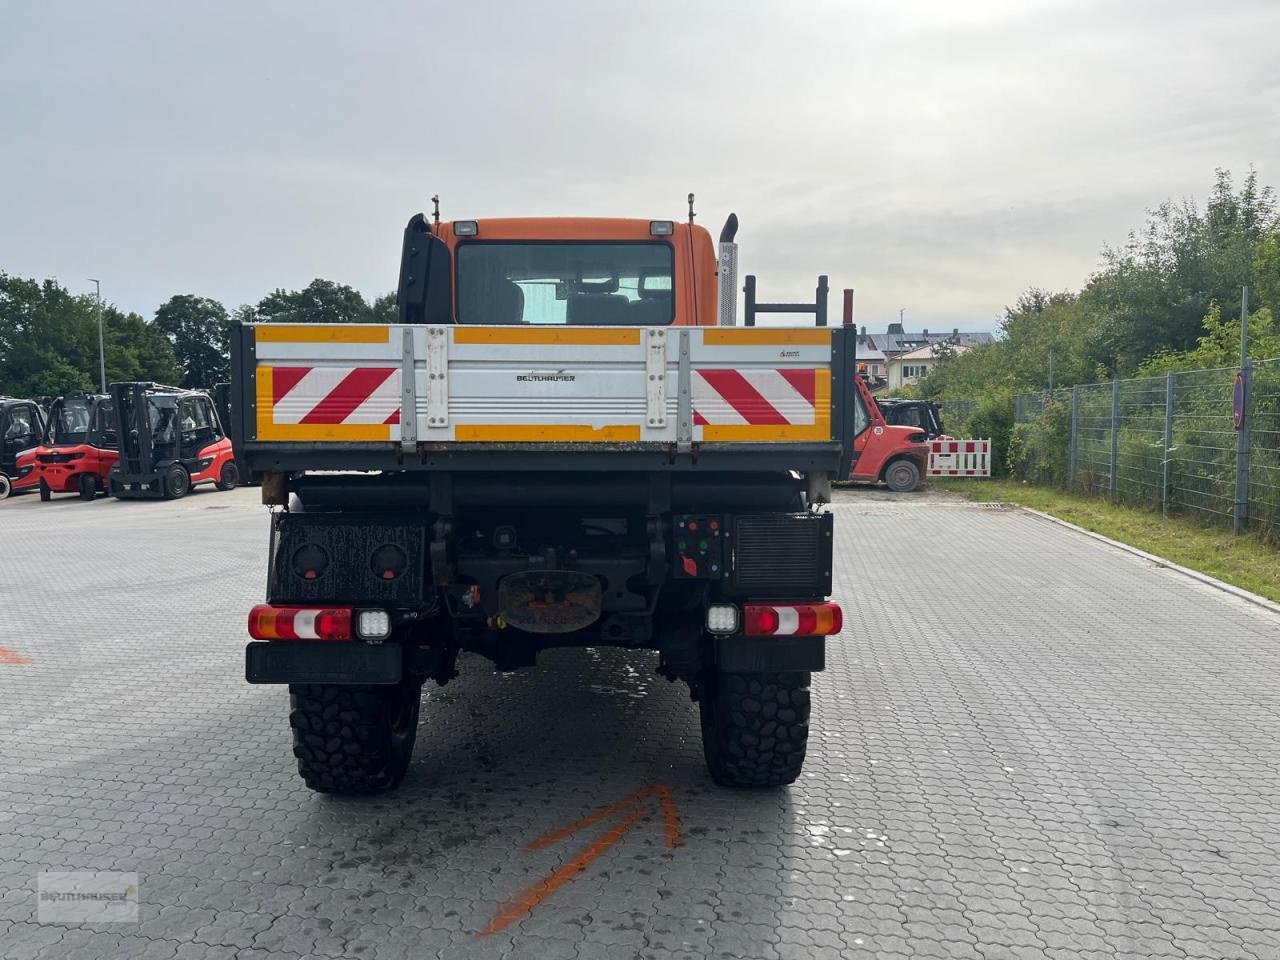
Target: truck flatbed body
(678, 398)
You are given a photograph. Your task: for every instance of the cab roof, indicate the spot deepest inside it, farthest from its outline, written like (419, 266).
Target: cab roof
(562, 228)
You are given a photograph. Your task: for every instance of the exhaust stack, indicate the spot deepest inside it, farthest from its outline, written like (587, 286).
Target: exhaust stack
(728, 271)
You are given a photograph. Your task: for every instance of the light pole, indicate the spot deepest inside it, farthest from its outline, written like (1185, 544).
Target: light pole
(102, 355)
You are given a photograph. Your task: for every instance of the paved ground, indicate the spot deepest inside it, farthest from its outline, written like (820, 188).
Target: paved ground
(1027, 745)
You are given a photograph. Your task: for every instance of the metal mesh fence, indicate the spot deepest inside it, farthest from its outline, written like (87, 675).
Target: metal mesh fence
(1264, 446)
(1168, 442)
(956, 411)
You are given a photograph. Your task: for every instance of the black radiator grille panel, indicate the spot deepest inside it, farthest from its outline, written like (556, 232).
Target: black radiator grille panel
(782, 555)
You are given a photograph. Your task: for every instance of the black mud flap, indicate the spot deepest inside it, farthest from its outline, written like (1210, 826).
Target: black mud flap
(771, 654)
(294, 662)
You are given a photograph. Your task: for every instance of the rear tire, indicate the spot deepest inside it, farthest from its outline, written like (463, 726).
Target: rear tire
(354, 740)
(6, 486)
(902, 476)
(88, 484)
(45, 493)
(229, 477)
(176, 482)
(755, 727)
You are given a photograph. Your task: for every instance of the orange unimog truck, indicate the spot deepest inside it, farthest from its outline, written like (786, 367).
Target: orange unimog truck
(565, 441)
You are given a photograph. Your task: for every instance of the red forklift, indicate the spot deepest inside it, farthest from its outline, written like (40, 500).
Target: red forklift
(22, 424)
(79, 447)
(894, 455)
(170, 441)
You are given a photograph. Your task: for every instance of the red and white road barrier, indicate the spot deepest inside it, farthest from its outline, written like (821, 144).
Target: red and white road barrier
(959, 458)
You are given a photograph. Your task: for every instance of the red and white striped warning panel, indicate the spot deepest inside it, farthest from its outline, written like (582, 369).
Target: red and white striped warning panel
(763, 397)
(959, 458)
(334, 402)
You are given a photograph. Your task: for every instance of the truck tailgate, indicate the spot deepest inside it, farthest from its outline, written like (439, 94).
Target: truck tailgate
(420, 388)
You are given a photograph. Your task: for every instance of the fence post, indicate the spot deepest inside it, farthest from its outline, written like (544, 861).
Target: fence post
(1168, 442)
(1115, 437)
(1240, 511)
(1075, 433)
(1240, 515)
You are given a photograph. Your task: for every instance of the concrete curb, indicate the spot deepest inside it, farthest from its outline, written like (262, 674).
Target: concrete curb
(1204, 578)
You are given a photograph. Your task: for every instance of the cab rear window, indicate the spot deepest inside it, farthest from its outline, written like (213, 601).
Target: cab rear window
(577, 284)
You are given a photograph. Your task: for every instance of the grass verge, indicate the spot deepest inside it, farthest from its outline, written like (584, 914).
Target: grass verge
(1244, 561)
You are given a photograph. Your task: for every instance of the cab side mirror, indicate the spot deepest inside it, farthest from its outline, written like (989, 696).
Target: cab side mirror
(425, 293)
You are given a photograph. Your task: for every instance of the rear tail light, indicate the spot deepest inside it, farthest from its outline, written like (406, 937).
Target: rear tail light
(792, 619)
(267, 622)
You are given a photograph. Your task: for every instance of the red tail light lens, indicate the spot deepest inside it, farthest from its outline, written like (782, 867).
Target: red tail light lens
(792, 619)
(268, 622)
(759, 621)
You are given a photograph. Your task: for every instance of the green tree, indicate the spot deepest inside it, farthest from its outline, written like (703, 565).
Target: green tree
(137, 350)
(1156, 291)
(49, 341)
(321, 301)
(384, 309)
(199, 330)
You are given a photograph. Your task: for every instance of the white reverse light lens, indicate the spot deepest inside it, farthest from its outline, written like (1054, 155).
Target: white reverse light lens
(661, 228)
(465, 228)
(373, 624)
(722, 618)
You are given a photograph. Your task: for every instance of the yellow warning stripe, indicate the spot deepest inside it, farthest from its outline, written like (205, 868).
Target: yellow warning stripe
(545, 433)
(323, 333)
(546, 335)
(767, 337)
(268, 429)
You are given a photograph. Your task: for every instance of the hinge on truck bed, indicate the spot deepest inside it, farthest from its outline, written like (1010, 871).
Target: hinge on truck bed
(684, 399)
(408, 395)
(655, 368)
(437, 378)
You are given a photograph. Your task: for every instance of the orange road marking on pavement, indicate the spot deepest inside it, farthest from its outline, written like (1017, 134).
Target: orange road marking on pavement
(12, 657)
(632, 805)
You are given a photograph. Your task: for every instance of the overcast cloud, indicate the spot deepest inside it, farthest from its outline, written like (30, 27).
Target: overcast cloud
(938, 156)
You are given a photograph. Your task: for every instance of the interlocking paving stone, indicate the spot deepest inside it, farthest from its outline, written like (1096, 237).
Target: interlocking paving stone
(1027, 744)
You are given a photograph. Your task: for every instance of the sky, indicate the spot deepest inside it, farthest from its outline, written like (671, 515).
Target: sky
(939, 157)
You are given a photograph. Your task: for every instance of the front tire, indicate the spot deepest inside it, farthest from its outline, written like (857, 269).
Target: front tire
(352, 740)
(45, 493)
(902, 476)
(88, 484)
(176, 483)
(228, 477)
(755, 727)
(6, 486)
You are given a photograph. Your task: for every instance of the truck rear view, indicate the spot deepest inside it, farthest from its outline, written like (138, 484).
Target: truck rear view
(563, 443)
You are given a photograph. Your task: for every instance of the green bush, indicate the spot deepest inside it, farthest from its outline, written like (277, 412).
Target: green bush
(1040, 451)
(990, 418)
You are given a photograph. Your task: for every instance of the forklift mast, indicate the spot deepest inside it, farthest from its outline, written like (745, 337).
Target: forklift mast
(135, 430)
